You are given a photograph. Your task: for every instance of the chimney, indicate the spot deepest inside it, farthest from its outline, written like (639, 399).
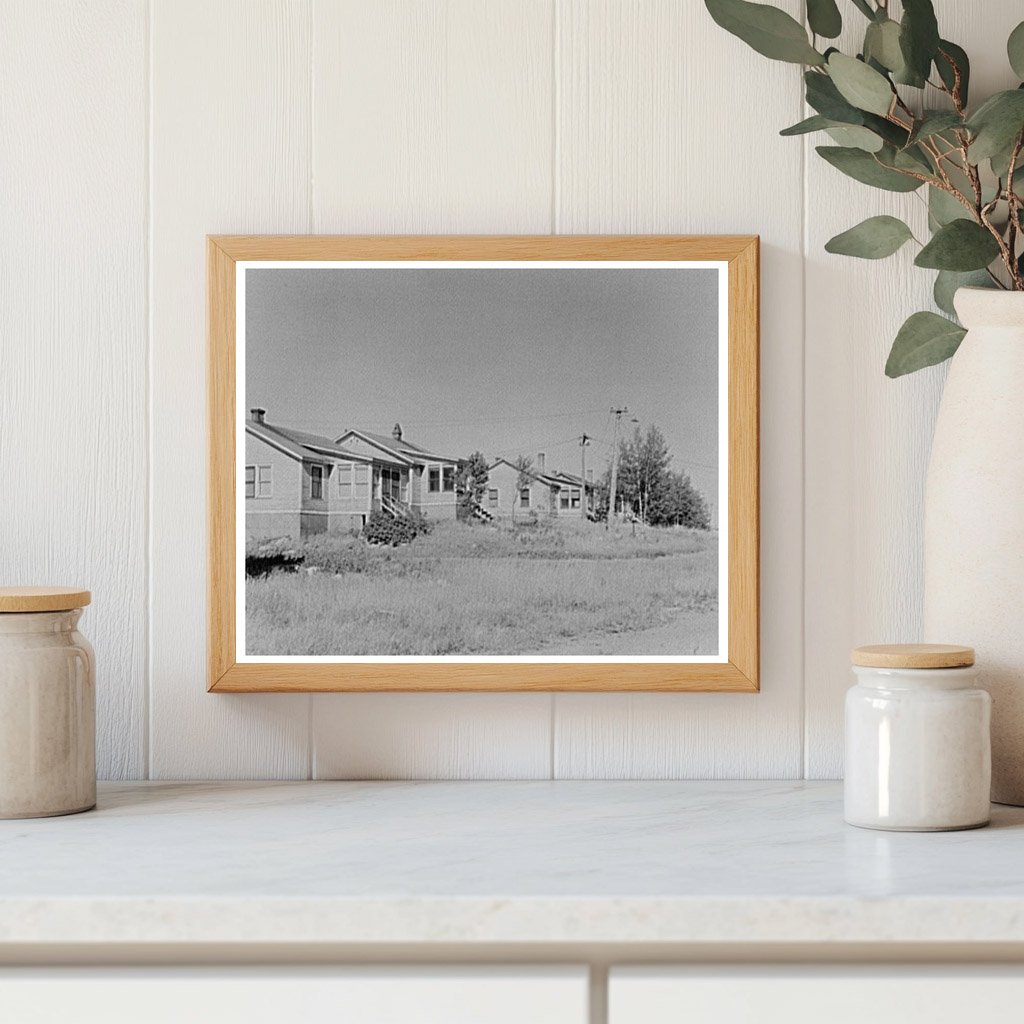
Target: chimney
(258, 415)
(541, 459)
(397, 432)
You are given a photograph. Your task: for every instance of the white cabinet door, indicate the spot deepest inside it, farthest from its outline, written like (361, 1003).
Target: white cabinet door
(373, 995)
(816, 995)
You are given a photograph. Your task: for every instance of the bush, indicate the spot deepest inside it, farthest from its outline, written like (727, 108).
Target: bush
(266, 556)
(382, 528)
(336, 555)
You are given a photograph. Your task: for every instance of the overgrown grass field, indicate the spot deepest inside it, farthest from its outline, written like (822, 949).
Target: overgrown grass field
(474, 589)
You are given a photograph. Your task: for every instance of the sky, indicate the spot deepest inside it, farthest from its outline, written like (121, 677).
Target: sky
(505, 361)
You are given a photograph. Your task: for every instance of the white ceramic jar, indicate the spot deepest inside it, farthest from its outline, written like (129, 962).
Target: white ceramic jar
(918, 748)
(47, 704)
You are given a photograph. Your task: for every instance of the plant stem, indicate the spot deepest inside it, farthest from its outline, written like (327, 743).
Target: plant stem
(955, 92)
(1014, 205)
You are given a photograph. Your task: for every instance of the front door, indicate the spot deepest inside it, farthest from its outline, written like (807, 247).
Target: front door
(391, 483)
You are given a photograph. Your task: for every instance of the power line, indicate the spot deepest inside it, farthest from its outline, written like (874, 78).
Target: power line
(499, 419)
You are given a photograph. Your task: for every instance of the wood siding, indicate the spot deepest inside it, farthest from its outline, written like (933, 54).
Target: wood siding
(540, 116)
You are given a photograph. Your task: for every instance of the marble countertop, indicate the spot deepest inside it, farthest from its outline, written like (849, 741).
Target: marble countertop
(500, 862)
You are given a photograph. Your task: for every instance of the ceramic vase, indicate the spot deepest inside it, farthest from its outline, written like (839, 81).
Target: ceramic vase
(974, 517)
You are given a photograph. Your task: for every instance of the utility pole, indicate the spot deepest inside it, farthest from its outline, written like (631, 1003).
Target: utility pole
(618, 414)
(584, 441)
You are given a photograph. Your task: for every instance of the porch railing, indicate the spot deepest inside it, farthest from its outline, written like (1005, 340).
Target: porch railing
(394, 508)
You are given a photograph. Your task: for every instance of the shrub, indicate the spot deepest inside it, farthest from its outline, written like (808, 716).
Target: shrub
(382, 528)
(263, 557)
(337, 555)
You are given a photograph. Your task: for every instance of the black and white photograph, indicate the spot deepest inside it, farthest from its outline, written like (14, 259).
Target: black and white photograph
(477, 461)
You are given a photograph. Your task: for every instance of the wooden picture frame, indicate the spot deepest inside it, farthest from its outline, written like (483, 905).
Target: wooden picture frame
(738, 669)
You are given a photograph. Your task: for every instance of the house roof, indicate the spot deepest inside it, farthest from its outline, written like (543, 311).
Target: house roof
(299, 444)
(404, 448)
(558, 479)
(393, 442)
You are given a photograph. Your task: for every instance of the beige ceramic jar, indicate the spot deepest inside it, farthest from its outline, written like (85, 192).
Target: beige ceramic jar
(47, 704)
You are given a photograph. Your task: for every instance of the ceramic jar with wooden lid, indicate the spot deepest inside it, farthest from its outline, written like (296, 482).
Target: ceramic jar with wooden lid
(47, 704)
(918, 748)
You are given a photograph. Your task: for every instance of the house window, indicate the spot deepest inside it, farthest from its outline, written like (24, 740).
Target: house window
(524, 497)
(362, 483)
(563, 498)
(449, 478)
(316, 482)
(434, 479)
(576, 498)
(345, 482)
(259, 481)
(492, 497)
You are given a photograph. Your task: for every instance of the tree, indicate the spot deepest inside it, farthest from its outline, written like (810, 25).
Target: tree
(676, 502)
(524, 477)
(651, 457)
(653, 492)
(643, 465)
(470, 483)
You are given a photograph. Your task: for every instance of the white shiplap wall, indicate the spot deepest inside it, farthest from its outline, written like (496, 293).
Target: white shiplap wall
(133, 129)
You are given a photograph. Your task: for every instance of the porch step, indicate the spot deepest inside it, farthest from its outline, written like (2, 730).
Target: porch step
(479, 512)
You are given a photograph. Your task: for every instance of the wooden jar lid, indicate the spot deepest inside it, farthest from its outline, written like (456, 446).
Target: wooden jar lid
(42, 599)
(913, 656)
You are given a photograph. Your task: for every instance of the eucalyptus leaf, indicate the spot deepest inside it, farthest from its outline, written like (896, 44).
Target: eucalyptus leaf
(882, 44)
(892, 133)
(1015, 50)
(808, 125)
(944, 208)
(951, 55)
(997, 125)
(1001, 161)
(911, 159)
(853, 136)
(866, 168)
(825, 98)
(919, 36)
(960, 245)
(824, 18)
(860, 85)
(934, 122)
(766, 29)
(872, 239)
(962, 183)
(947, 282)
(926, 339)
(864, 7)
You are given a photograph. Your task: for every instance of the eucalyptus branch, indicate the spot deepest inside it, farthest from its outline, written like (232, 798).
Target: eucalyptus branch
(1014, 206)
(906, 48)
(956, 93)
(975, 179)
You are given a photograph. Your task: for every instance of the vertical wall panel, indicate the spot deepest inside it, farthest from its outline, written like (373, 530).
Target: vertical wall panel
(73, 332)
(667, 124)
(432, 116)
(868, 437)
(429, 115)
(230, 151)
